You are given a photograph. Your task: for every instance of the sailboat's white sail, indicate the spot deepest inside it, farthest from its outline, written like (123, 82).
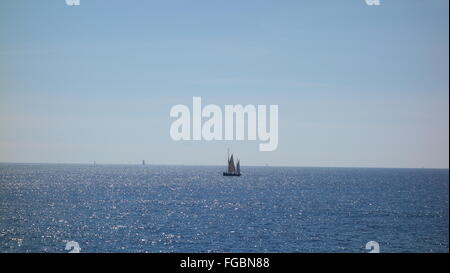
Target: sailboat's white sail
(231, 168)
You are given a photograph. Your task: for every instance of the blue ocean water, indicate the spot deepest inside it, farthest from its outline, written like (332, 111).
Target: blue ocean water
(119, 208)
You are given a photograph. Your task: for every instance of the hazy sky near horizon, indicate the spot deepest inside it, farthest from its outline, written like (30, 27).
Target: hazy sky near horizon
(356, 85)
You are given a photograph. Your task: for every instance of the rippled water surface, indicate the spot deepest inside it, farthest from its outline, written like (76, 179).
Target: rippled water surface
(118, 208)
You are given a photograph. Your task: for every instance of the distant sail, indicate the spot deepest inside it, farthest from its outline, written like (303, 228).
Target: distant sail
(231, 168)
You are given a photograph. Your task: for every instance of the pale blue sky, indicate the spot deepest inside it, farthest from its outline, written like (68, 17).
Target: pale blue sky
(356, 85)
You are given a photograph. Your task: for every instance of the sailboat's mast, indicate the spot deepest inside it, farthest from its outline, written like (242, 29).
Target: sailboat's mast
(228, 150)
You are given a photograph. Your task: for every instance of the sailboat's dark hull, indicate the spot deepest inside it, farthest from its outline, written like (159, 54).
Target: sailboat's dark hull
(231, 174)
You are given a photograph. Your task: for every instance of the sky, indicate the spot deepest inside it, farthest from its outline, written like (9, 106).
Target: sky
(356, 85)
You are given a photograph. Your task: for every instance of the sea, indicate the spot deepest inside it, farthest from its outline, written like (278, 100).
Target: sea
(135, 208)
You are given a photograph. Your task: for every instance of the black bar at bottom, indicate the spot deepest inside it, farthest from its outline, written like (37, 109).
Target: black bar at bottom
(233, 262)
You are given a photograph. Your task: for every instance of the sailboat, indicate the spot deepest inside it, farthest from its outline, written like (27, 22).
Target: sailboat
(232, 169)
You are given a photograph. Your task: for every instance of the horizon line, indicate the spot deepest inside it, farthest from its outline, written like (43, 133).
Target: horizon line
(213, 165)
